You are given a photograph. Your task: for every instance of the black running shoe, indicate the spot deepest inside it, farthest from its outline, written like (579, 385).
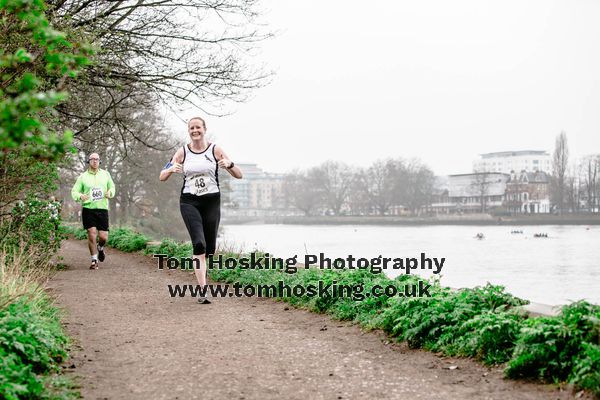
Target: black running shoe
(203, 300)
(94, 264)
(101, 255)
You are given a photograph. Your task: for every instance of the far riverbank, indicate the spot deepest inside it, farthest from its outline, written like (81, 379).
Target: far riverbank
(471, 219)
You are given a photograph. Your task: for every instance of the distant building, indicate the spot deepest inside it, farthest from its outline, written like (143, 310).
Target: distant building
(508, 161)
(528, 192)
(440, 202)
(464, 193)
(266, 192)
(240, 188)
(257, 191)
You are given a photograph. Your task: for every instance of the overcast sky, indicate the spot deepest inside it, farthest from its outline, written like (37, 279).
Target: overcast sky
(440, 80)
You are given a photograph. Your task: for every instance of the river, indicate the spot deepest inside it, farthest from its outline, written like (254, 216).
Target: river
(559, 269)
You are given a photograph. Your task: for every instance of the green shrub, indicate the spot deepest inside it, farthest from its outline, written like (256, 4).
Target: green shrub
(78, 233)
(17, 380)
(563, 348)
(586, 368)
(126, 239)
(435, 322)
(34, 224)
(170, 248)
(542, 351)
(32, 343)
(489, 337)
(123, 238)
(33, 335)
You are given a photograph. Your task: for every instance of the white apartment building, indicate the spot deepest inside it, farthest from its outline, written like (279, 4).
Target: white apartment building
(514, 161)
(267, 193)
(257, 190)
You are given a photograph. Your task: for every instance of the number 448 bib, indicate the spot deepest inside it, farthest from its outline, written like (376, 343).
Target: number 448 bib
(97, 194)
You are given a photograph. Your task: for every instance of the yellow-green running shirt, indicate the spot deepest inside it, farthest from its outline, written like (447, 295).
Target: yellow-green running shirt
(95, 186)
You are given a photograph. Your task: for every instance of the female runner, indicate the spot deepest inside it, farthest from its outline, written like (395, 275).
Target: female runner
(200, 200)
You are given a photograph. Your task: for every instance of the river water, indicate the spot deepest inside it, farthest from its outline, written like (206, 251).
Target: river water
(556, 270)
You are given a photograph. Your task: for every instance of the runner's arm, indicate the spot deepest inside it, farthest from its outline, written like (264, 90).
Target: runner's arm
(224, 162)
(170, 168)
(77, 189)
(110, 187)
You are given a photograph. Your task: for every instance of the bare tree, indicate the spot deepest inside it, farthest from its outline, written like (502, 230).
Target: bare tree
(359, 201)
(560, 162)
(481, 185)
(379, 184)
(571, 193)
(300, 190)
(193, 52)
(591, 181)
(336, 182)
(419, 188)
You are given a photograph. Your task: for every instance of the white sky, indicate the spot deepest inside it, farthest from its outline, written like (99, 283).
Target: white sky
(439, 80)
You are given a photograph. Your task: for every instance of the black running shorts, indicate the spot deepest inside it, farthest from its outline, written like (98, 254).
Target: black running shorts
(95, 218)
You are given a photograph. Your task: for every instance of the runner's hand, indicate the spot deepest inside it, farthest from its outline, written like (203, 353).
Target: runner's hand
(224, 163)
(177, 168)
(107, 194)
(84, 197)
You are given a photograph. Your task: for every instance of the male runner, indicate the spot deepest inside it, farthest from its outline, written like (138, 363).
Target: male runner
(93, 188)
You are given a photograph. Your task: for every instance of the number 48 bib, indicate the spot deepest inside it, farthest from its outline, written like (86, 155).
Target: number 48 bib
(201, 184)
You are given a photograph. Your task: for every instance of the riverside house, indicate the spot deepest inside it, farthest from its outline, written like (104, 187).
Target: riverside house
(528, 193)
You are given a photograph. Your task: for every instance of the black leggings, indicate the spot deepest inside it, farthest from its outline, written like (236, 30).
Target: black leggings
(201, 215)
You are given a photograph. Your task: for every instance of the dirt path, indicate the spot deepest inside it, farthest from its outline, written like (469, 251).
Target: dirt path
(134, 342)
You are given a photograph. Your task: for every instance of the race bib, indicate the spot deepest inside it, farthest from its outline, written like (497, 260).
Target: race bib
(97, 194)
(201, 184)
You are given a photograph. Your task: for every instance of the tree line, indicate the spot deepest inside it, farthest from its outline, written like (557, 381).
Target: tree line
(574, 186)
(337, 188)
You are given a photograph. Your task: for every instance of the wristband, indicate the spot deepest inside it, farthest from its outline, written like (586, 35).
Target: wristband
(231, 165)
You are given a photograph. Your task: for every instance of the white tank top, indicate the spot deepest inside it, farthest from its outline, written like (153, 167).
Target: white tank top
(200, 171)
